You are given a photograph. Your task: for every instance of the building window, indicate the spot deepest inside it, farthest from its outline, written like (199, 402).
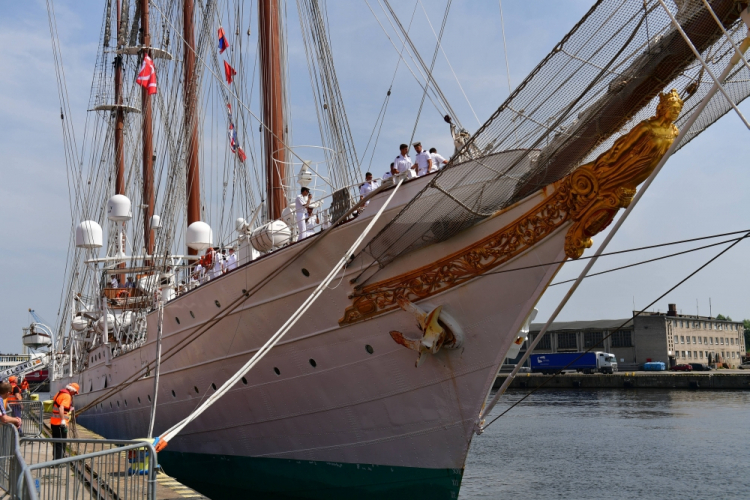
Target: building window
(731, 341)
(622, 338)
(545, 343)
(683, 354)
(689, 356)
(688, 339)
(693, 340)
(567, 340)
(722, 340)
(699, 340)
(593, 339)
(705, 340)
(732, 353)
(695, 354)
(682, 339)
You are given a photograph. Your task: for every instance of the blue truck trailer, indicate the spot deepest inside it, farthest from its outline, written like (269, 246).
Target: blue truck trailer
(586, 362)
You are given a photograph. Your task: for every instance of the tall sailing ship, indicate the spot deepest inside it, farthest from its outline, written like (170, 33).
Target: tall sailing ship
(379, 391)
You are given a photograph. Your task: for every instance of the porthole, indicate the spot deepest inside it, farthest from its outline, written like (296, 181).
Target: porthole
(213, 386)
(139, 400)
(278, 372)
(192, 315)
(196, 390)
(305, 272)
(173, 394)
(244, 380)
(177, 320)
(369, 349)
(149, 397)
(217, 303)
(313, 363)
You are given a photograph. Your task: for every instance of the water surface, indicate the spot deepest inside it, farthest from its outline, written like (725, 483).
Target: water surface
(593, 444)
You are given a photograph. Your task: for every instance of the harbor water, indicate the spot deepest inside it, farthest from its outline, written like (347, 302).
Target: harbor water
(591, 444)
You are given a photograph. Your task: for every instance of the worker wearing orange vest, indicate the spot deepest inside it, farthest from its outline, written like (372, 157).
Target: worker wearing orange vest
(25, 387)
(62, 406)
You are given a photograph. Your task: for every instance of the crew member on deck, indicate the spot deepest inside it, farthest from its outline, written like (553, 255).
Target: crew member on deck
(437, 160)
(113, 283)
(62, 406)
(423, 159)
(368, 187)
(301, 204)
(129, 283)
(24, 388)
(231, 263)
(403, 163)
(218, 265)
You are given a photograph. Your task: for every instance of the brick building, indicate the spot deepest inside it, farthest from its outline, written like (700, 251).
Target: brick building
(669, 337)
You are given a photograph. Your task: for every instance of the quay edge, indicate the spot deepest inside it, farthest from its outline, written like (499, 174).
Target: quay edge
(631, 380)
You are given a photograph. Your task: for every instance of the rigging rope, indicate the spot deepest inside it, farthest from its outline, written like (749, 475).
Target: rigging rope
(226, 386)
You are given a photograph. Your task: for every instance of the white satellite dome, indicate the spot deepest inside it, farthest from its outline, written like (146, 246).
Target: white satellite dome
(89, 235)
(272, 235)
(155, 222)
(118, 208)
(199, 236)
(305, 176)
(240, 225)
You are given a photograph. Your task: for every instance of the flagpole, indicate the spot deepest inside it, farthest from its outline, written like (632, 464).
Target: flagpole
(148, 148)
(190, 95)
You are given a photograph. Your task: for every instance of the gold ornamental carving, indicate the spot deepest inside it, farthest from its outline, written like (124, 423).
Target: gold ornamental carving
(589, 197)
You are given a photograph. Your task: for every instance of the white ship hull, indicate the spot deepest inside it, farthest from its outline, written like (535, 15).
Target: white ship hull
(353, 407)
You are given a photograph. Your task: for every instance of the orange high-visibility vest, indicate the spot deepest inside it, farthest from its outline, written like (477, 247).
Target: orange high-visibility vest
(63, 400)
(25, 385)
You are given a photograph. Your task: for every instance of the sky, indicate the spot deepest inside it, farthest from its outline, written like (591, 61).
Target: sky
(700, 192)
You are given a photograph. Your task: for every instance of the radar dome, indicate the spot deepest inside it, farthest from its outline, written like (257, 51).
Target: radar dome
(88, 235)
(155, 222)
(118, 208)
(199, 236)
(305, 176)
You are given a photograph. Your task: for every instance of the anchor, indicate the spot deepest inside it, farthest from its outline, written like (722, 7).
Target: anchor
(439, 330)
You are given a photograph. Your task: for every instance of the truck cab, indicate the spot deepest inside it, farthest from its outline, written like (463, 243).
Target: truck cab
(606, 362)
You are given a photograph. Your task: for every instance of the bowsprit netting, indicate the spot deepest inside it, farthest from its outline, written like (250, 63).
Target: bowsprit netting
(602, 79)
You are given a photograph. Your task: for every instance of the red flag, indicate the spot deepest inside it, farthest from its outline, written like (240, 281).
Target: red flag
(229, 72)
(147, 75)
(241, 154)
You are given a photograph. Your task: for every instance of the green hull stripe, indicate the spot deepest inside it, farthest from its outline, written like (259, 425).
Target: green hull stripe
(231, 477)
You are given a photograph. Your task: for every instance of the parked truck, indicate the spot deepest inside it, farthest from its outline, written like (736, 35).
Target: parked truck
(586, 362)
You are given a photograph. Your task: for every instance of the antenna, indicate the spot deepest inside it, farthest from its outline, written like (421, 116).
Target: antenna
(710, 309)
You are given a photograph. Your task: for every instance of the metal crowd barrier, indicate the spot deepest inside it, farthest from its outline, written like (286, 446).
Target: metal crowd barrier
(13, 466)
(31, 414)
(90, 469)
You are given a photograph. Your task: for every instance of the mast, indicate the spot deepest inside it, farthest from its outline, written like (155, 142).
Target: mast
(119, 119)
(273, 105)
(148, 148)
(190, 95)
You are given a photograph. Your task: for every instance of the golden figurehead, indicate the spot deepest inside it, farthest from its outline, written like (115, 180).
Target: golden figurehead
(597, 190)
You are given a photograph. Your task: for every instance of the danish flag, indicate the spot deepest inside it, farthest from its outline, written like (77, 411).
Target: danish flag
(147, 75)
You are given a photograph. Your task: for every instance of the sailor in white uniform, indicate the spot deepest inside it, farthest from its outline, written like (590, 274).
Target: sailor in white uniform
(217, 267)
(403, 163)
(301, 204)
(231, 263)
(114, 283)
(368, 187)
(423, 159)
(437, 160)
